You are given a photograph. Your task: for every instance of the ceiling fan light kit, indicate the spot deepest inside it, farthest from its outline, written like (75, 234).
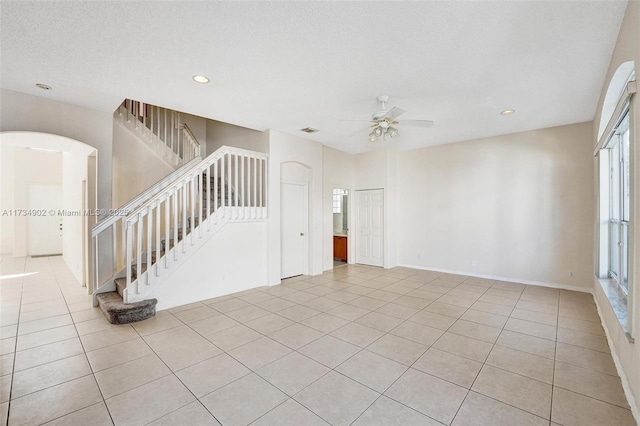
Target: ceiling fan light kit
(384, 121)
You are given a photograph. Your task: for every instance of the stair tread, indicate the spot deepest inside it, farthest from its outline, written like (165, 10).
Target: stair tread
(117, 312)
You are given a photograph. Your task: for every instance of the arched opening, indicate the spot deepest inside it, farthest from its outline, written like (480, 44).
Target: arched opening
(49, 198)
(616, 86)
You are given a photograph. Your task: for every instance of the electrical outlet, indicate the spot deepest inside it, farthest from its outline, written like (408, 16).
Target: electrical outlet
(473, 263)
(572, 274)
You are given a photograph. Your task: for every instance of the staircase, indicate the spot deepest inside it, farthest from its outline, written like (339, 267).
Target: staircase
(133, 255)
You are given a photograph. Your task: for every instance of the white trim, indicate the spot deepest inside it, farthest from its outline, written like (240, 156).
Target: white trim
(616, 360)
(498, 278)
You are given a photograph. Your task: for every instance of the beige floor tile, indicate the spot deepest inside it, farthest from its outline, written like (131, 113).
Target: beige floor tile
(181, 347)
(387, 412)
(348, 312)
(51, 374)
(6, 364)
(357, 334)
(398, 349)
(31, 340)
(187, 307)
(336, 398)
(541, 317)
(121, 378)
(290, 413)
(159, 398)
(243, 401)
(463, 346)
(279, 373)
(507, 294)
(212, 374)
(573, 409)
(322, 304)
(412, 302)
(431, 319)
(191, 414)
(475, 330)
(492, 308)
(233, 337)
(537, 307)
(379, 321)
(299, 297)
(505, 285)
(523, 363)
(163, 320)
(259, 352)
(397, 311)
(586, 358)
(531, 328)
(427, 394)
(195, 314)
(93, 326)
(582, 314)
(526, 343)
(448, 366)
(580, 325)
(600, 386)
(95, 415)
(386, 296)
(247, 314)
(423, 293)
(317, 290)
(105, 338)
(521, 392)
(276, 305)
(5, 388)
(418, 333)
(325, 323)
(343, 296)
(86, 315)
(329, 351)
(299, 313)
(44, 324)
(54, 402)
(498, 300)
(256, 297)
(477, 409)
(117, 354)
(8, 331)
(360, 366)
(297, 335)
(485, 318)
(585, 340)
(446, 309)
(228, 305)
(47, 353)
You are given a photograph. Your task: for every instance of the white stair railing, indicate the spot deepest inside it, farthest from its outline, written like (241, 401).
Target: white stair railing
(228, 186)
(163, 126)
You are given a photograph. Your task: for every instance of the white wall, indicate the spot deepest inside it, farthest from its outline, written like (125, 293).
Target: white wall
(219, 134)
(626, 354)
(518, 205)
(285, 148)
(338, 172)
(7, 162)
(219, 267)
(21, 112)
(136, 166)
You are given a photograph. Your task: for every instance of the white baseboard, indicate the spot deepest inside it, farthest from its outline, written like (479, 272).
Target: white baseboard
(616, 360)
(498, 278)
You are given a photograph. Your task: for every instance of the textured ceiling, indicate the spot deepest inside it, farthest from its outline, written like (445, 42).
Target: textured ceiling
(288, 65)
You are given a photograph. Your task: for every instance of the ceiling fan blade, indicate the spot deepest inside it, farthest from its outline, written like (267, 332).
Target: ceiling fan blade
(394, 113)
(370, 121)
(417, 123)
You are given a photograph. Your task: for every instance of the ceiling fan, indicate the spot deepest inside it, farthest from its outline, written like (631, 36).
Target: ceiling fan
(384, 121)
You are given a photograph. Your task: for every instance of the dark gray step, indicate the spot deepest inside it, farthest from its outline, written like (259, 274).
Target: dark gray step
(121, 284)
(134, 270)
(117, 312)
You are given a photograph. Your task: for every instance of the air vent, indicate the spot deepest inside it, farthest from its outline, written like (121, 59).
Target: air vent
(309, 130)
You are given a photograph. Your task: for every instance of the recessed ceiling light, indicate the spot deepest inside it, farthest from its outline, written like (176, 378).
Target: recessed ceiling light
(200, 79)
(43, 86)
(508, 111)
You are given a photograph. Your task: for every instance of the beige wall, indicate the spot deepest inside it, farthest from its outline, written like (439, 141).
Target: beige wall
(136, 166)
(519, 206)
(626, 354)
(219, 134)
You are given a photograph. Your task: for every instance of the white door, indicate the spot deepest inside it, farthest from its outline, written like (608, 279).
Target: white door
(45, 228)
(294, 217)
(370, 227)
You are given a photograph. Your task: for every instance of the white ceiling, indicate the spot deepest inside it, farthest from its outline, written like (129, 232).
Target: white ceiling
(288, 65)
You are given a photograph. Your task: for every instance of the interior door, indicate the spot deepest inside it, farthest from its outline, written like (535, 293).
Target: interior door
(370, 227)
(45, 230)
(294, 219)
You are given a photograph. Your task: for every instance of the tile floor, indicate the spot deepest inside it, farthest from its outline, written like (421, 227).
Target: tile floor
(357, 345)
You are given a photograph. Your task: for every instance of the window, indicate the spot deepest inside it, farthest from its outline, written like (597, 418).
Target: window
(337, 199)
(619, 201)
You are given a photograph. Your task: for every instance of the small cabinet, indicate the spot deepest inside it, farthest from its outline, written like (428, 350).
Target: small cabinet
(340, 248)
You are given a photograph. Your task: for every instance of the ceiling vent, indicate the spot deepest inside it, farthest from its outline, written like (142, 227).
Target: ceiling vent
(309, 130)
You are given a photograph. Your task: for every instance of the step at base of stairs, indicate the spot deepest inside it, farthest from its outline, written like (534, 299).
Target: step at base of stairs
(117, 312)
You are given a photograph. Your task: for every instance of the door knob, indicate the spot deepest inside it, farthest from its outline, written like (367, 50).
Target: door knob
(302, 234)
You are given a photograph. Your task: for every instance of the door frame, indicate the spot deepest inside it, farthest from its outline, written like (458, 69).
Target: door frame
(305, 185)
(351, 247)
(384, 226)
